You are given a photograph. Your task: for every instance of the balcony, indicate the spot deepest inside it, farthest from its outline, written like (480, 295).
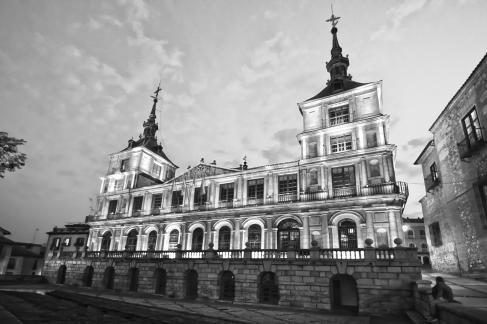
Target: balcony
(467, 148)
(391, 188)
(300, 254)
(431, 181)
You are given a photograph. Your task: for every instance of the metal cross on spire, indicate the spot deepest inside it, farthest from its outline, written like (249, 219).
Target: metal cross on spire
(157, 91)
(333, 19)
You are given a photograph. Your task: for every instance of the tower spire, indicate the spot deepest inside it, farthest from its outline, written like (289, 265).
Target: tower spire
(150, 125)
(338, 65)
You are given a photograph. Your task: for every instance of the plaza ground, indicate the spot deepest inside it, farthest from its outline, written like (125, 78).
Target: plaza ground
(45, 303)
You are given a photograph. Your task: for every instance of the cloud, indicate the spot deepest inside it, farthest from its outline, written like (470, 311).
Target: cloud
(395, 16)
(407, 169)
(285, 148)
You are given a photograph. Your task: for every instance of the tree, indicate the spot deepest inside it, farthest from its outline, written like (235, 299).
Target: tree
(10, 158)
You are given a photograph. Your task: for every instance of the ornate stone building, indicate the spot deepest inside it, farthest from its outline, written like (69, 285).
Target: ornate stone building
(316, 232)
(454, 165)
(341, 189)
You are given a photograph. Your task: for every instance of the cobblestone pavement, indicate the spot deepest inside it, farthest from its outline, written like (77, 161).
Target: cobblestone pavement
(469, 292)
(224, 312)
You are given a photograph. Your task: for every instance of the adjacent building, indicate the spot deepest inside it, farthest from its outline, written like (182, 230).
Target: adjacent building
(20, 259)
(454, 165)
(415, 237)
(68, 241)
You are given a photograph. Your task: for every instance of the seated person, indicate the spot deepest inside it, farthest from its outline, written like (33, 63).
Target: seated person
(442, 291)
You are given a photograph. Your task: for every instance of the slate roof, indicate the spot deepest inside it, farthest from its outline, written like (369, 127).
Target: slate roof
(329, 89)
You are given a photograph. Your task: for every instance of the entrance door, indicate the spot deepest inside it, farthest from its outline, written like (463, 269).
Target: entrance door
(160, 281)
(133, 279)
(88, 276)
(191, 284)
(347, 234)
(61, 275)
(227, 285)
(269, 290)
(344, 296)
(108, 278)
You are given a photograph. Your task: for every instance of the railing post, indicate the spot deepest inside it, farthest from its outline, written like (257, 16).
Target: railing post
(400, 253)
(179, 252)
(247, 251)
(211, 253)
(369, 252)
(314, 252)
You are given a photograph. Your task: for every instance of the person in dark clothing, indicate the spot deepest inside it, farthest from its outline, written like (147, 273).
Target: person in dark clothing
(442, 291)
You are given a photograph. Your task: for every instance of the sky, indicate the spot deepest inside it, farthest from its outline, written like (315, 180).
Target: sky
(76, 79)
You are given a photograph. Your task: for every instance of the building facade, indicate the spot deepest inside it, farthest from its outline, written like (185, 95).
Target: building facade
(317, 232)
(69, 240)
(415, 237)
(454, 165)
(341, 190)
(18, 258)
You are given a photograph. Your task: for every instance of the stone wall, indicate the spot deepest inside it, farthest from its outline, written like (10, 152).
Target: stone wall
(382, 285)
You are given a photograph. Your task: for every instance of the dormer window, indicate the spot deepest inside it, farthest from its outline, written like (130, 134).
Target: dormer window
(341, 143)
(124, 165)
(339, 115)
(156, 170)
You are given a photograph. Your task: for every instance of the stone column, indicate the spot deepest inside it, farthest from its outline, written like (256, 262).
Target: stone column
(183, 236)
(269, 234)
(360, 136)
(392, 227)
(325, 238)
(216, 194)
(386, 168)
(303, 180)
(329, 182)
(322, 177)
(274, 238)
(236, 235)
(334, 233)
(275, 187)
(321, 148)
(303, 147)
(306, 242)
(357, 178)
(207, 235)
(191, 198)
(138, 246)
(382, 139)
(244, 191)
(370, 226)
(363, 168)
(360, 239)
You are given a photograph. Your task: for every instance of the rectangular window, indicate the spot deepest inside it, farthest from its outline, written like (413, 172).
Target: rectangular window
(138, 203)
(371, 138)
(124, 165)
(226, 191)
(313, 177)
(374, 168)
(177, 198)
(471, 127)
(11, 264)
(80, 241)
(200, 196)
(156, 201)
(341, 143)
(67, 241)
(339, 115)
(105, 185)
(119, 184)
(112, 206)
(312, 150)
(434, 172)
(255, 189)
(56, 243)
(156, 170)
(288, 184)
(343, 177)
(435, 234)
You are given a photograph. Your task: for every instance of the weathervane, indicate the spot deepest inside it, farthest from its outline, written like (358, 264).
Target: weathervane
(333, 19)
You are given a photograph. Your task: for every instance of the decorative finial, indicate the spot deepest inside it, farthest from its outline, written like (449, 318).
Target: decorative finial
(333, 19)
(156, 97)
(202, 160)
(244, 158)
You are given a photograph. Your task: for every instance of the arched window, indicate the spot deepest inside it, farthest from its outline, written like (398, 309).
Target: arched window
(224, 238)
(288, 234)
(173, 239)
(410, 234)
(151, 241)
(411, 245)
(131, 244)
(105, 241)
(347, 234)
(197, 241)
(254, 236)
